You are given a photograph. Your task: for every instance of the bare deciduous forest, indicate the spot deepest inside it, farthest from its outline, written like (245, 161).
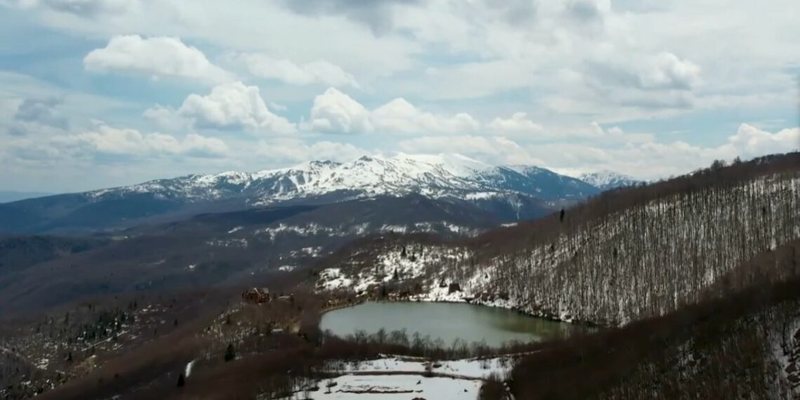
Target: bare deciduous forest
(699, 273)
(627, 254)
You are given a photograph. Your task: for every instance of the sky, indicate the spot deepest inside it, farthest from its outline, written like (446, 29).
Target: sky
(101, 93)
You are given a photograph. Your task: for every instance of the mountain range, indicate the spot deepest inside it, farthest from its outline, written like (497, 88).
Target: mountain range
(702, 267)
(608, 180)
(7, 196)
(520, 191)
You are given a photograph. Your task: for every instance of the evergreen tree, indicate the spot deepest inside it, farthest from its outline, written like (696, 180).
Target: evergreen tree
(230, 353)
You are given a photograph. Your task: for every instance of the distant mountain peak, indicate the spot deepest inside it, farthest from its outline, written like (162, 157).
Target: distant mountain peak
(446, 177)
(431, 175)
(607, 180)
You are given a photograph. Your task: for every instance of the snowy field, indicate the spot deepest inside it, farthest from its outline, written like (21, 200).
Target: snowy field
(467, 368)
(403, 378)
(392, 387)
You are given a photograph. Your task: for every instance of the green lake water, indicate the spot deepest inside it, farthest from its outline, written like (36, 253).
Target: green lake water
(444, 321)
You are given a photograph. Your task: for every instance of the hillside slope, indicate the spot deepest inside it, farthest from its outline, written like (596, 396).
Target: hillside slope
(218, 248)
(625, 255)
(444, 177)
(608, 180)
(745, 346)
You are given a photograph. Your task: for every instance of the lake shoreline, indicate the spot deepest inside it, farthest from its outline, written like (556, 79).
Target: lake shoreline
(450, 321)
(473, 301)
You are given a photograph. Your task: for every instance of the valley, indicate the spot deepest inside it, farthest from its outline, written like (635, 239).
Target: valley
(309, 299)
(399, 200)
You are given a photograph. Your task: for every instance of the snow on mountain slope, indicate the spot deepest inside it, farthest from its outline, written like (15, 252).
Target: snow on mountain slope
(454, 180)
(607, 180)
(617, 266)
(434, 176)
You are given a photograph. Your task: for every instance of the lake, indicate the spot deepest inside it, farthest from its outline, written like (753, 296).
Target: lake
(445, 321)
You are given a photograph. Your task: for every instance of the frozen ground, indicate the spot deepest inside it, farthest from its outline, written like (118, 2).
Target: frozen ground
(403, 378)
(391, 387)
(467, 368)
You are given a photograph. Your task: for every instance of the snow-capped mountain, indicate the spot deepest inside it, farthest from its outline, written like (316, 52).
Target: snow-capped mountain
(607, 180)
(505, 192)
(433, 176)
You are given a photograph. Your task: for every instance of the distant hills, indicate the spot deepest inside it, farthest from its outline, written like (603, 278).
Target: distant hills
(508, 193)
(7, 196)
(607, 180)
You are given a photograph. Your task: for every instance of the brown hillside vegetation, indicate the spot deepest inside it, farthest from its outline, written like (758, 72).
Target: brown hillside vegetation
(627, 254)
(744, 346)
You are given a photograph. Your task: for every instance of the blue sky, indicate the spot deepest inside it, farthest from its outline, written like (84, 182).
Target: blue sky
(97, 93)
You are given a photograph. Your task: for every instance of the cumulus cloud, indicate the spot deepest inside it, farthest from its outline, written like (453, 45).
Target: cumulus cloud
(105, 139)
(668, 71)
(517, 125)
(495, 150)
(155, 56)
(288, 150)
(230, 106)
(400, 116)
(315, 72)
(750, 141)
(649, 158)
(617, 134)
(336, 112)
(664, 71)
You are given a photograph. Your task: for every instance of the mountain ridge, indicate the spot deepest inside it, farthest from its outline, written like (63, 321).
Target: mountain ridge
(437, 177)
(608, 180)
(430, 175)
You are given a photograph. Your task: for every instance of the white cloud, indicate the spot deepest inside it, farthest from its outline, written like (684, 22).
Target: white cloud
(104, 155)
(155, 56)
(232, 106)
(517, 125)
(400, 116)
(617, 134)
(495, 150)
(638, 155)
(124, 141)
(566, 63)
(666, 70)
(166, 118)
(315, 72)
(289, 150)
(750, 141)
(336, 112)
(643, 156)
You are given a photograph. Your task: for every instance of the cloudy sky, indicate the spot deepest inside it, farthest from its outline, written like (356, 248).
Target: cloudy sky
(97, 93)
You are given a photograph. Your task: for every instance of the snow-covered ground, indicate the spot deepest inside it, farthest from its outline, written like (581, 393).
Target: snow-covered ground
(433, 176)
(392, 387)
(404, 378)
(467, 368)
(645, 260)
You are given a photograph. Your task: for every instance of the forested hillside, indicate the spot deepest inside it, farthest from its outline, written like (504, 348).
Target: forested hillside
(744, 346)
(622, 256)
